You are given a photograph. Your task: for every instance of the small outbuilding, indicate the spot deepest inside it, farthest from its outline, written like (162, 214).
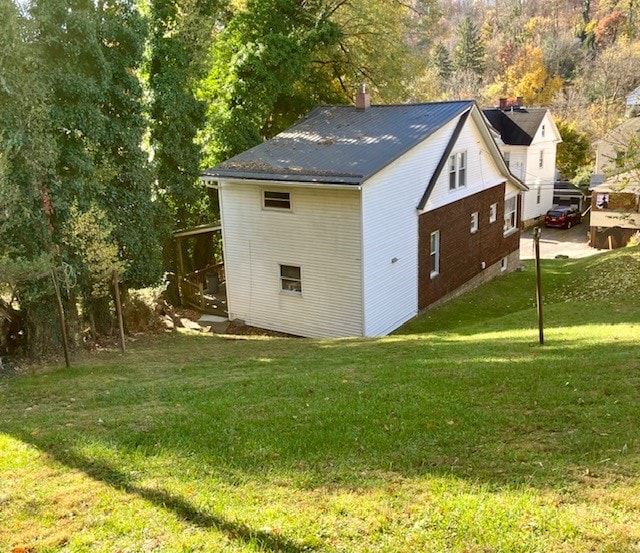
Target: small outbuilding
(615, 211)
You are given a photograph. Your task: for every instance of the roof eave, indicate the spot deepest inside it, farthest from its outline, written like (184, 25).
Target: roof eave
(284, 178)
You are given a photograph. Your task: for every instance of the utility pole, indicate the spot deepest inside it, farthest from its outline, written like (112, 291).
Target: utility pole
(537, 232)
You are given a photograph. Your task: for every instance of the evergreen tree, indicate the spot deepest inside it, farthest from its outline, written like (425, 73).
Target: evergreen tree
(442, 62)
(468, 54)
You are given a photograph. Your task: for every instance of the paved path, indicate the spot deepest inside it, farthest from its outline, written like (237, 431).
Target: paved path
(571, 242)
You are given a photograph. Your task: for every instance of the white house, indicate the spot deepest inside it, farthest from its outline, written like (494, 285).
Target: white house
(356, 218)
(528, 140)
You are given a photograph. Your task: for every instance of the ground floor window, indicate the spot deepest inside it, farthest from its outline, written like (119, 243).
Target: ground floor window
(510, 213)
(493, 213)
(434, 256)
(290, 279)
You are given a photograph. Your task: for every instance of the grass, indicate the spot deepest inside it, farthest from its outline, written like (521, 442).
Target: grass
(457, 434)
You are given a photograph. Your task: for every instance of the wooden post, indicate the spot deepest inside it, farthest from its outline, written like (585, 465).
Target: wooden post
(116, 292)
(63, 324)
(609, 239)
(201, 292)
(180, 269)
(536, 240)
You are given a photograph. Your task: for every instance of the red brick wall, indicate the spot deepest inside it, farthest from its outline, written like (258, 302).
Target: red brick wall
(462, 253)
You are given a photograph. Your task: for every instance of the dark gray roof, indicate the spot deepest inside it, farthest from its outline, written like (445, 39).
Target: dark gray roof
(341, 144)
(518, 125)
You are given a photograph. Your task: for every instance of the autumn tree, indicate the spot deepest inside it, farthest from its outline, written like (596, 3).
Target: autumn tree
(527, 77)
(573, 152)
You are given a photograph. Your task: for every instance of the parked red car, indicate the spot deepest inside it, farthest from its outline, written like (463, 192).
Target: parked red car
(562, 217)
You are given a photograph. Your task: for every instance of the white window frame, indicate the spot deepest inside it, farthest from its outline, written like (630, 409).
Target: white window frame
(290, 284)
(474, 222)
(434, 254)
(510, 215)
(457, 170)
(507, 159)
(503, 264)
(541, 160)
(543, 131)
(493, 213)
(279, 200)
(538, 194)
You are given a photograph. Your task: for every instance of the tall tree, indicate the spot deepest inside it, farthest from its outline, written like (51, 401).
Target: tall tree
(27, 158)
(442, 62)
(262, 61)
(178, 47)
(468, 54)
(127, 195)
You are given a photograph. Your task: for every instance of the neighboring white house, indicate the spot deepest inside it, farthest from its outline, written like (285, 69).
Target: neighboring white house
(528, 140)
(356, 218)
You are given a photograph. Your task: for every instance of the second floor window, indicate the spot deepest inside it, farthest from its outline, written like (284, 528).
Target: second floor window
(457, 170)
(276, 200)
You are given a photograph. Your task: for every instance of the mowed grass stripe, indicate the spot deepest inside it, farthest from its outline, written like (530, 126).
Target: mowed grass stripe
(460, 436)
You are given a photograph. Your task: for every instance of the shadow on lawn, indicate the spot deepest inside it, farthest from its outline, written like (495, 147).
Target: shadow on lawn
(441, 405)
(160, 498)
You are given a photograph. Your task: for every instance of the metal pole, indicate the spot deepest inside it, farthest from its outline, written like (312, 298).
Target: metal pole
(537, 232)
(63, 325)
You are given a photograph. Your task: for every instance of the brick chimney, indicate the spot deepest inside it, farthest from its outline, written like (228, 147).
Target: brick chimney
(503, 103)
(363, 100)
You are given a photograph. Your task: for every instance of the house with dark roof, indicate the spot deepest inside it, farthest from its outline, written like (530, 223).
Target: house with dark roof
(355, 219)
(528, 141)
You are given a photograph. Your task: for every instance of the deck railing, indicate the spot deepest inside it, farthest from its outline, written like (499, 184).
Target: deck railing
(194, 286)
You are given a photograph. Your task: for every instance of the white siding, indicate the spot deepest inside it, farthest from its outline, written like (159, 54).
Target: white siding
(482, 172)
(539, 177)
(390, 221)
(517, 161)
(390, 232)
(321, 235)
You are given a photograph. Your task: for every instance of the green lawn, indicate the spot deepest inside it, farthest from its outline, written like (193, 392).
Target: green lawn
(458, 434)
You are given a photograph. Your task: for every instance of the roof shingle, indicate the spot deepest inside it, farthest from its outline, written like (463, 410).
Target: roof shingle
(517, 126)
(341, 144)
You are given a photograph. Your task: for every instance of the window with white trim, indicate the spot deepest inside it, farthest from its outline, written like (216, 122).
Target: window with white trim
(457, 170)
(507, 158)
(276, 200)
(538, 194)
(543, 131)
(510, 213)
(541, 159)
(493, 213)
(474, 222)
(291, 279)
(503, 264)
(434, 255)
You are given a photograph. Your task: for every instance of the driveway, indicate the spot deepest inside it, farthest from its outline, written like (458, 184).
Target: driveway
(571, 242)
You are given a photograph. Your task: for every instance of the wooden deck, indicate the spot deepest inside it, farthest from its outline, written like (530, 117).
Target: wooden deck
(205, 290)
